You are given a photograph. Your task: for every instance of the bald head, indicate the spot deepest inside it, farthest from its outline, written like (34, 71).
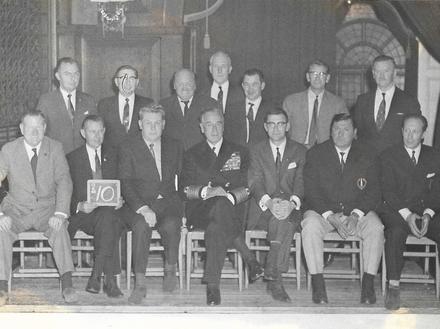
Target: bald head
(220, 67)
(184, 84)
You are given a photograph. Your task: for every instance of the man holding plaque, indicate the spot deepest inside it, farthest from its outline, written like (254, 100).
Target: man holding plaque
(92, 161)
(148, 166)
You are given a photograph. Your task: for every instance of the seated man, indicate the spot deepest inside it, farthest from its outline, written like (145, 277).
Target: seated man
(411, 192)
(91, 161)
(276, 185)
(215, 183)
(148, 165)
(341, 187)
(39, 197)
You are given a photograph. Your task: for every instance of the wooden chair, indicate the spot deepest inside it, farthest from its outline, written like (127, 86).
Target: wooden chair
(430, 251)
(256, 241)
(194, 246)
(352, 246)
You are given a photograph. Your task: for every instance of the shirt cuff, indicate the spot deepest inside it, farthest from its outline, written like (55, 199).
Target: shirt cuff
(203, 192)
(430, 212)
(358, 212)
(296, 200)
(59, 213)
(230, 198)
(263, 201)
(404, 212)
(142, 209)
(327, 213)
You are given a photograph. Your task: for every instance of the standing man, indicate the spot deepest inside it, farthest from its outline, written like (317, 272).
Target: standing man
(379, 113)
(276, 185)
(39, 197)
(182, 111)
(92, 161)
(244, 122)
(411, 193)
(148, 165)
(121, 112)
(66, 107)
(214, 181)
(342, 192)
(311, 111)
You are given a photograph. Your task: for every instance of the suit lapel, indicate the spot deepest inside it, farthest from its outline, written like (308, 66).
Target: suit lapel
(84, 159)
(287, 157)
(43, 157)
(305, 109)
(135, 116)
(62, 104)
(24, 159)
(177, 111)
(370, 106)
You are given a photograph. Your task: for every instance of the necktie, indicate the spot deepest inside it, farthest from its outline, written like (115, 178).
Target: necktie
(342, 160)
(126, 116)
(278, 168)
(220, 98)
(34, 161)
(413, 158)
(380, 117)
(70, 107)
(98, 169)
(313, 124)
(151, 146)
(213, 150)
(186, 108)
(250, 117)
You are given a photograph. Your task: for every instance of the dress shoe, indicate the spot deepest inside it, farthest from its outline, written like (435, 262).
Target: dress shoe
(278, 292)
(319, 294)
(255, 270)
(4, 297)
(69, 295)
(111, 288)
(93, 285)
(392, 298)
(137, 295)
(368, 295)
(170, 279)
(213, 295)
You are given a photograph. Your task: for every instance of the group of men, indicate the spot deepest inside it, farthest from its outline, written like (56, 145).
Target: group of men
(241, 162)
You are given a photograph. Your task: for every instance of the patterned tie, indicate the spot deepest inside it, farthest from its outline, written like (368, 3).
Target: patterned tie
(342, 160)
(70, 107)
(126, 116)
(313, 125)
(186, 108)
(250, 117)
(380, 118)
(213, 150)
(34, 161)
(413, 158)
(151, 146)
(98, 170)
(220, 98)
(278, 168)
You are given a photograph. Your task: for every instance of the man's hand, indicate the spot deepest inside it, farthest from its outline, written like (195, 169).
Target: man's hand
(336, 220)
(87, 207)
(350, 223)
(426, 218)
(120, 203)
(55, 222)
(5, 223)
(411, 220)
(215, 191)
(149, 216)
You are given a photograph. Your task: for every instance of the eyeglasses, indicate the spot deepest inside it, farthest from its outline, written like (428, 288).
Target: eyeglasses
(318, 74)
(279, 125)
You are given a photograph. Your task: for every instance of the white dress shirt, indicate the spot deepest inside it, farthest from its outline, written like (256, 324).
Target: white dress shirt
(215, 90)
(91, 154)
(256, 105)
(378, 99)
(121, 102)
(66, 99)
(182, 105)
(311, 102)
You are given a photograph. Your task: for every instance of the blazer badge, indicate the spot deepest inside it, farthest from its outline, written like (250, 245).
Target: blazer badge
(361, 183)
(292, 165)
(233, 163)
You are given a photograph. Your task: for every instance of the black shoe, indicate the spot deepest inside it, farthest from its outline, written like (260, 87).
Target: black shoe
(213, 295)
(255, 270)
(137, 295)
(392, 298)
(111, 288)
(368, 295)
(93, 285)
(278, 292)
(319, 294)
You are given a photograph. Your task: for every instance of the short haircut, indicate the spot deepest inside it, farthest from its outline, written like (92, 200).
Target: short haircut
(193, 75)
(33, 113)
(416, 116)
(151, 108)
(276, 111)
(320, 63)
(252, 72)
(210, 110)
(217, 53)
(65, 60)
(94, 118)
(126, 67)
(342, 117)
(384, 58)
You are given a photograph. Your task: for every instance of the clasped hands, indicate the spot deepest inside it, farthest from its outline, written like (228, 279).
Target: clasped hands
(215, 191)
(420, 230)
(345, 225)
(280, 208)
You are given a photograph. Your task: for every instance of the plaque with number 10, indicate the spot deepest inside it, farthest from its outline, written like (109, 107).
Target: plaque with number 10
(104, 192)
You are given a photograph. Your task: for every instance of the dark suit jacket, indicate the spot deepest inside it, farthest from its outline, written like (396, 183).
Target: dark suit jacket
(186, 128)
(235, 123)
(262, 175)
(59, 125)
(140, 181)
(108, 108)
(407, 186)
(391, 132)
(326, 187)
(235, 93)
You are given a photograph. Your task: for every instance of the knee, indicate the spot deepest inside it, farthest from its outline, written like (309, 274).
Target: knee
(141, 227)
(374, 224)
(170, 225)
(311, 225)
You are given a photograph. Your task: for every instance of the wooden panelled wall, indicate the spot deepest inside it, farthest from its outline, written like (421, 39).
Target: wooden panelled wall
(278, 36)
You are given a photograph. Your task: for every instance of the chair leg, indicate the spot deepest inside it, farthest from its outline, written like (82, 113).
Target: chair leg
(437, 278)
(180, 259)
(384, 273)
(129, 256)
(361, 261)
(298, 261)
(240, 271)
(188, 261)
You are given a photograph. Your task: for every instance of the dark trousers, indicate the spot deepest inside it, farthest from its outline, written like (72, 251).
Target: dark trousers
(105, 225)
(169, 230)
(396, 232)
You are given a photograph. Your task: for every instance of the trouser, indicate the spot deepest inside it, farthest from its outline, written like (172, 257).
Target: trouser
(369, 229)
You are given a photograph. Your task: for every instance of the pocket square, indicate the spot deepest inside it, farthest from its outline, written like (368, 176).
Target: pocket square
(291, 165)
(86, 113)
(430, 175)
(400, 113)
